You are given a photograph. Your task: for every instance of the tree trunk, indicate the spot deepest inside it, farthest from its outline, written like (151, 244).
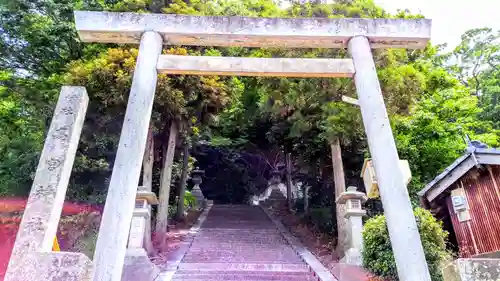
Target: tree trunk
(339, 179)
(306, 199)
(162, 215)
(288, 161)
(182, 182)
(147, 163)
(147, 182)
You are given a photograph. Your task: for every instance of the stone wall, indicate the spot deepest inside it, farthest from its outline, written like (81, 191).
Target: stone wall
(472, 270)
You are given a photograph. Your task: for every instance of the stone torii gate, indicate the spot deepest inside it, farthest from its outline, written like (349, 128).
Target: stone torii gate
(152, 31)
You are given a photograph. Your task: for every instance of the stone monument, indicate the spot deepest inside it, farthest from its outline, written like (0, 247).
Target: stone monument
(32, 257)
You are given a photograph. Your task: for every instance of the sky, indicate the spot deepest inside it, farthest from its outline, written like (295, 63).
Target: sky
(450, 18)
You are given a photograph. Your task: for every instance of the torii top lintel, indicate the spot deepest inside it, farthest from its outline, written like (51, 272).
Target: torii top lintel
(107, 27)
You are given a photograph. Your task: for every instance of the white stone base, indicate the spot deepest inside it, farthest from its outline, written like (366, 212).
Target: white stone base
(138, 266)
(472, 270)
(352, 257)
(53, 266)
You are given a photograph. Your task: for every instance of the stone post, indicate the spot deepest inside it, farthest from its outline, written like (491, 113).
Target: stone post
(115, 225)
(196, 177)
(137, 265)
(43, 209)
(354, 213)
(403, 232)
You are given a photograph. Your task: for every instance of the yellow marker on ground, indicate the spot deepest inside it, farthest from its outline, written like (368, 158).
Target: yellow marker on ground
(55, 246)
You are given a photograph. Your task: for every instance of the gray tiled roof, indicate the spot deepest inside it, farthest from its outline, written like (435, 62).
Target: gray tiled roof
(471, 151)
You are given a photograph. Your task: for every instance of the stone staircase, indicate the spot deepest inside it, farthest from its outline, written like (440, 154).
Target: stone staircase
(240, 243)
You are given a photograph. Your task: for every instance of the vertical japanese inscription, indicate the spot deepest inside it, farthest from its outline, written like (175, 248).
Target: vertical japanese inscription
(43, 210)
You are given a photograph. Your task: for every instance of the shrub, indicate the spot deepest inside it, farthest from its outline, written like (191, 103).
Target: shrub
(377, 253)
(189, 200)
(172, 210)
(322, 219)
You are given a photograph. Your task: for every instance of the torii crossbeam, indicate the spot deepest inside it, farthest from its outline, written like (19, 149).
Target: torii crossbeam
(106, 27)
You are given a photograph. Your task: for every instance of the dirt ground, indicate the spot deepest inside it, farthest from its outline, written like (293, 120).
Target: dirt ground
(176, 234)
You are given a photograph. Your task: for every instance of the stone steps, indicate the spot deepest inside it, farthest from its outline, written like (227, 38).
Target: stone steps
(242, 240)
(240, 247)
(224, 266)
(244, 276)
(240, 243)
(234, 257)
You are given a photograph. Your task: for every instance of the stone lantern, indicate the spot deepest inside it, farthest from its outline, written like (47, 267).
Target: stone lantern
(137, 264)
(275, 177)
(353, 200)
(141, 217)
(196, 178)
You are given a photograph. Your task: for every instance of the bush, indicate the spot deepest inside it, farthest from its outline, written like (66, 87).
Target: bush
(189, 200)
(377, 253)
(172, 211)
(322, 219)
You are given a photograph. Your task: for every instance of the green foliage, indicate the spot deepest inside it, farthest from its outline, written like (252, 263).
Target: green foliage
(172, 211)
(477, 54)
(475, 63)
(377, 253)
(189, 200)
(322, 219)
(37, 36)
(231, 175)
(108, 77)
(432, 137)
(21, 138)
(432, 99)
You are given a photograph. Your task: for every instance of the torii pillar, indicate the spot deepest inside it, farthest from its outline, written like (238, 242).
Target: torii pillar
(403, 232)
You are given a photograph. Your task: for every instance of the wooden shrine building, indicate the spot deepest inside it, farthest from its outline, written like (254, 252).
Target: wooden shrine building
(466, 197)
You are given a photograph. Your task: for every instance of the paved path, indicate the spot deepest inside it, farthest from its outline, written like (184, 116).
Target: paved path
(240, 243)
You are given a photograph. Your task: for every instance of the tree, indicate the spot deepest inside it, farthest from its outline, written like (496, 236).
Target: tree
(21, 139)
(477, 54)
(166, 178)
(147, 183)
(183, 180)
(475, 62)
(432, 136)
(339, 179)
(38, 37)
(37, 41)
